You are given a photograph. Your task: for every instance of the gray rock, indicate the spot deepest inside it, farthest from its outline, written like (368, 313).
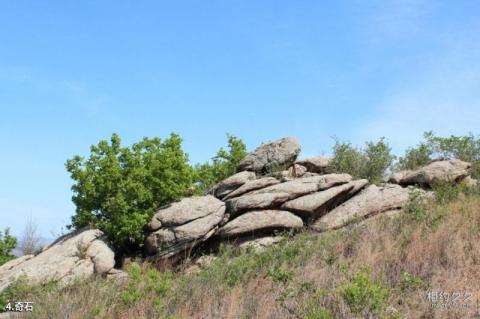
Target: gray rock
(306, 185)
(397, 177)
(470, 182)
(314, 205)
(275, 195)
(183, 225)
(256, 222)
(184, 211)
(237, 205)
(252, 185)
(320, 164)
(293, 172)
(259, 244)
(452, 171)
(271, 156)
(232, 183)
(80, 254)
(371, 201)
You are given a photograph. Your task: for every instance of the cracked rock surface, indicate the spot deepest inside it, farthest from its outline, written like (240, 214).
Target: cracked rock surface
(183, 225)
(80, 254)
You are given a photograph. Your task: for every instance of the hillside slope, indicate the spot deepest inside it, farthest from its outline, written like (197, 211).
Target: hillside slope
(400, 266)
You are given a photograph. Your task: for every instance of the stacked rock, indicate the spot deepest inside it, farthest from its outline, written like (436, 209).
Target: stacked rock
(271, 191)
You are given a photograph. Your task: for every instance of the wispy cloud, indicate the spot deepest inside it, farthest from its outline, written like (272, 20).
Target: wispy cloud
(76, 93)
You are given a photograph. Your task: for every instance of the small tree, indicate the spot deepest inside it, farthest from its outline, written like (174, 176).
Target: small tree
(30, 240)
(117, 189)
(465, 148)
(7, 244)
(223, 164)
(370, 163)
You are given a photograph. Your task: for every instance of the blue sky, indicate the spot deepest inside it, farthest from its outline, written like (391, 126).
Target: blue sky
(72, 73)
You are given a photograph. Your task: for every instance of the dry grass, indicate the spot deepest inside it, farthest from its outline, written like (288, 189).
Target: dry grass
(431, 248)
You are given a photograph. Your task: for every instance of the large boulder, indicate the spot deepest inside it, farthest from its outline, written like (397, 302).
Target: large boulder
(259, 222)
(306, 185)
(237, 205)
(314, 205)
(319, 164)
(452, 171)
(232, 183)
(252, 185)
(271, 156)
(371, 201)
(275, 195)
(183, 225)
(80, 254)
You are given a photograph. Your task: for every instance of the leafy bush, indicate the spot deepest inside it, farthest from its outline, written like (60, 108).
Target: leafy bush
(415, 157)
(417, 204)
(364, 296)
(410, 282)
(7, 244)
(145, 281)
(465, 148)
(223, 165)
(370, 163)
(117, 189)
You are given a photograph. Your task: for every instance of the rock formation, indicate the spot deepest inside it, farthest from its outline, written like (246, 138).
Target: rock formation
(271, 156)
(77, 255)
(258, 200)
(450, 171)
(183, 225)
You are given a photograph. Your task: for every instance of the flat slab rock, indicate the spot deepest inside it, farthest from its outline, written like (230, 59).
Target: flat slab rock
(275, 195)
(231, 183)
(252, 185)
(371, 201)
(183, 225)
(259, 222)
(440, 171)
(270, 156)
(77, 255)
(317, 204)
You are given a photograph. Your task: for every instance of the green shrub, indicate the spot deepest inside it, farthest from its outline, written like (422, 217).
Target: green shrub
(365, 296)
(409, 282)
(223, 165)
(465, 148)
(445, 192)
(117, 189)
(415, 157)
(7, 244)
(144, 281)
(280, 275)
(370, 163)
(417, 204)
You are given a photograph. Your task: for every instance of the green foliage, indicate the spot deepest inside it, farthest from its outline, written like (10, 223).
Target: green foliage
(370, 163)
(411, 282)
(415, 157)
(278, 274)
(365, 296)
(446, 192)
(465, 148)
(20, 288)
(118, 188)
(7, 244)
(417, 204)
(145, 282)
(223, 165)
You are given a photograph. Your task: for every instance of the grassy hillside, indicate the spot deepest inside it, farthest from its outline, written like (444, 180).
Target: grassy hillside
(383, 268)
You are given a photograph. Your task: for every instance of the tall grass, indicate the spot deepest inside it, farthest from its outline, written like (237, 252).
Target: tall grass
(382, 268)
